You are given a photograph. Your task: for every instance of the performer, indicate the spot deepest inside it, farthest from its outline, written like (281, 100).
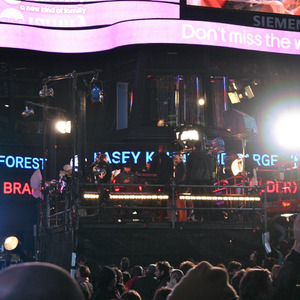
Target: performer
(127, 177)
(102, 175)
(102, 170)
(198, 172)
(179, 178)
(162, 165)
(198, 167)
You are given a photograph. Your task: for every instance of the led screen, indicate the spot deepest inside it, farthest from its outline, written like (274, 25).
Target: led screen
(103, 25)
(100, 13)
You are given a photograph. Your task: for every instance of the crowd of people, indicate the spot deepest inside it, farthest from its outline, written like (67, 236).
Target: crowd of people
(265, 278)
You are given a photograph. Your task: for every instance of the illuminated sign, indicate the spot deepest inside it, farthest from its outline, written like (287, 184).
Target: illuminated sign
(16, 188)
(147, 23)
(75, 15)
(21, 162)
(281, 187)
(121, 157)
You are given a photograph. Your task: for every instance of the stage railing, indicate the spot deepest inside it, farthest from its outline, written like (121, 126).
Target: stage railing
(124, 203)
(155, 203)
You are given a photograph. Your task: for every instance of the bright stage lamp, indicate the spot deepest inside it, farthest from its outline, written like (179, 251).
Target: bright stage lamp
(192, 135)
(237, 166)
(286, 130)
(11, 243)
(201, 101)
(63, 126)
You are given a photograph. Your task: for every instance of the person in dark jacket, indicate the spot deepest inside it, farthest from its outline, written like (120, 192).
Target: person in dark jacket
(179, 178)
(82, 277)
(147, 284)
(107, 285)
(163, 273)
(286, 284)
(102, 169)
(198, 172)
(162, 165)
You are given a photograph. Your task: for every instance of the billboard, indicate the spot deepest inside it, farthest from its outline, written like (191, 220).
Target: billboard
(83, 27)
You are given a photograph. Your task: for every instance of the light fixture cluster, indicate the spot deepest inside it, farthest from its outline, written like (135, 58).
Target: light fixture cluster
(237, 91)
(46, 92)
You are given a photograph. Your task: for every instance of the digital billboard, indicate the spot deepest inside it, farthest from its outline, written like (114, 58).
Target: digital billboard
(84, 27)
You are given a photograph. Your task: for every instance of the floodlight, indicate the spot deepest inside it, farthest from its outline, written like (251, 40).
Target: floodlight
(286, 129)
(234, 97)
(237, 166)
(63, 126)
(188, 135)
(192, 135)
(201, 101)
(248, 92)
(45, 92)
(11, 243)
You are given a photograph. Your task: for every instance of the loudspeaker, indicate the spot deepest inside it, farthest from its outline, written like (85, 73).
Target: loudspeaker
(239, 123)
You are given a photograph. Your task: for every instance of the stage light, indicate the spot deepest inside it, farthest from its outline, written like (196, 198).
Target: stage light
(188, 135)
(27, 112)
(96, 94)
(286, 130)
(201, 101)
(219, 198)
(91, 196)
(45, 92)
(191, 135)
(237, 166)
(248, 92)
(287, 215)
(63, 126)
(123, 196)
(11, 243)
(234, 97)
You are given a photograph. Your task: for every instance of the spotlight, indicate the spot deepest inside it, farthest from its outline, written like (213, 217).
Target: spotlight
(188, 135)
(45, 92)
(27, 112)
(96, 94)
(11, 243)
(63, 126)
(234, 97)
(248, 92)
(286, 129)
(192, 135)
(201, 101)
(237, 166)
